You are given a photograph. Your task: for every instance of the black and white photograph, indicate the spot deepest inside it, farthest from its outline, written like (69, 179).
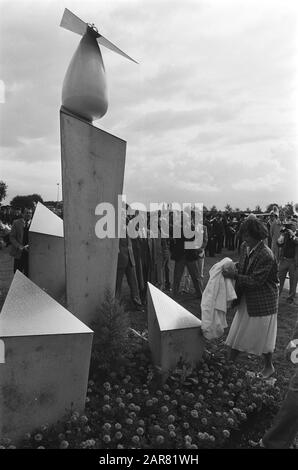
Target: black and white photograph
(148, 228)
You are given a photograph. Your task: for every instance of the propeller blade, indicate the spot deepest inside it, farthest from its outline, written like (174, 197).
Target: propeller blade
(73, 23)
(104, 42)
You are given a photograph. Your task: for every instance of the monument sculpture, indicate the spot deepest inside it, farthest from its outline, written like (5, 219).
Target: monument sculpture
(92, 173)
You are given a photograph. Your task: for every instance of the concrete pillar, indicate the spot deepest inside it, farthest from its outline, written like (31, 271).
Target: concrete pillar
(47, 350)
(173, 332)
(46, 255)
(92, 172)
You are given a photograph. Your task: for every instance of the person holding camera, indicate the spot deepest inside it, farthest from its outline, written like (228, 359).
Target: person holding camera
(288, 243)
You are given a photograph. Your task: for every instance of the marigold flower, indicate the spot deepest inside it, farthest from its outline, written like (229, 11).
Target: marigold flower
(107, 386)
(135, 439)
(106, 426)
(160, 439)
(106, 439)
(106, 408)
(64, 445)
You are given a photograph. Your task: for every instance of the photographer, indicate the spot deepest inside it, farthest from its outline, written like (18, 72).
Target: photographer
(288, 243)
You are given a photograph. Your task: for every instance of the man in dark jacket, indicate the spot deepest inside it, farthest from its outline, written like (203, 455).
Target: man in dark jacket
(19, 237)
(185, 257)
(288, 243)
(126, 265)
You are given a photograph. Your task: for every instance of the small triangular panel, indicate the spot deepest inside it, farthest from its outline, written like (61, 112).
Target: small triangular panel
(46, 222)
(171, 315)
(73, 23)
(29, 311)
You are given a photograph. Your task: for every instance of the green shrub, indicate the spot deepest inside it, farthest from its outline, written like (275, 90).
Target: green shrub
(110, 333)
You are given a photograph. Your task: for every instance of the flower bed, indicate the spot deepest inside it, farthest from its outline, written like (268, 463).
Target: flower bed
(129, 407)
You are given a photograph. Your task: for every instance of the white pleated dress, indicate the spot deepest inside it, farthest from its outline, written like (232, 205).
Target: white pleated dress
(253, 335)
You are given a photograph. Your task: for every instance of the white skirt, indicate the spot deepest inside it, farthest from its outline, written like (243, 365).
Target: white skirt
(254, 335)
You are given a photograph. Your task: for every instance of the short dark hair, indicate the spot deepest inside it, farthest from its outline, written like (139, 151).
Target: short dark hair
(27, 209)
(255, 228)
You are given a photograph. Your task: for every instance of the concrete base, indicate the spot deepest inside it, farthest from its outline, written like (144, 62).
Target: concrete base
(92, 172)
(47, 350)
(174, 333)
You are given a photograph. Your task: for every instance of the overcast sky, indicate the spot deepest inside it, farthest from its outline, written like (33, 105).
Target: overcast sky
(210, 115)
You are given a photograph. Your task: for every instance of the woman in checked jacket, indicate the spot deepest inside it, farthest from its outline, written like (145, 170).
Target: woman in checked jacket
(254, 326)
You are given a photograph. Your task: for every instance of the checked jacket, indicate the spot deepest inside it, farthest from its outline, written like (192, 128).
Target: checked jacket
(257, 279)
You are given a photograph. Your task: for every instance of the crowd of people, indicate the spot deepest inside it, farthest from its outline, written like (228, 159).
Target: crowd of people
(166, 263)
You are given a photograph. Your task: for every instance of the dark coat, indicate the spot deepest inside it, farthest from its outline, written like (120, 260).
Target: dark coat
(125, 254)
(16, 238)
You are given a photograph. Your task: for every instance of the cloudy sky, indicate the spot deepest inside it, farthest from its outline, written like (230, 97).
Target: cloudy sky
(210, 115)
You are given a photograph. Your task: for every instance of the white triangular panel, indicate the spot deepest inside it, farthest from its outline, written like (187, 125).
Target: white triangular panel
(171, 315)
(46, 222)
(29, 311)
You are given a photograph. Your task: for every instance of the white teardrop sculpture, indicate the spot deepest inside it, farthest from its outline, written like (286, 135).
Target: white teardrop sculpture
(84, 91)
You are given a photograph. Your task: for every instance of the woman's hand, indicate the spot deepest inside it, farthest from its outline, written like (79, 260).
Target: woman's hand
(229, 272)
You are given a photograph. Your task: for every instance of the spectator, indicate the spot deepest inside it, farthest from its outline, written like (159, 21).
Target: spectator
(254, 326)
(201, 255)
(219, 233)
(185, 257)
(211, 237)
(231, 231)
(126, 265)
(275, 233)
(238, 236)
(288, 243)
(19, 239)
(17, 213)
